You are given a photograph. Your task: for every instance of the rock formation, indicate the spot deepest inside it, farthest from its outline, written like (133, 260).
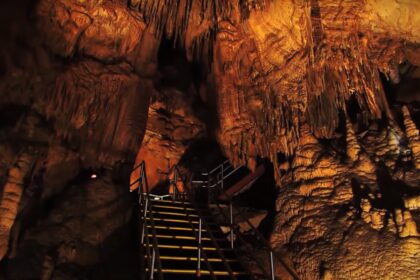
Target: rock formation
(325, 90)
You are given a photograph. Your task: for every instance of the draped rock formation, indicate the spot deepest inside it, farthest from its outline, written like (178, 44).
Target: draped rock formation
(327, 91)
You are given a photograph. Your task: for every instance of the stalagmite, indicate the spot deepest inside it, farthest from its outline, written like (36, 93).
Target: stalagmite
(365, 207)
(412, 203)
(377, 218)
(361, 164)
(405, 223)
(353, 148)
(413, 136)
(12, 193)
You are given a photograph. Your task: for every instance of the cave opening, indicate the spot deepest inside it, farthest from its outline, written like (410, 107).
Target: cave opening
(190, 77)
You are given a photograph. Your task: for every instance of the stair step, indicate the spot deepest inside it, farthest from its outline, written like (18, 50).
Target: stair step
(180, 223)
(227, 253)
(167, 201)
(173, 207)
(184, 231)
(177, 262)
(194, 271)
(172, 220)
(177, 202)
(184, 247)
(173, 228)
(182, 237)
(194, 259)
(184, 221)
(191, 241)
(173, 214)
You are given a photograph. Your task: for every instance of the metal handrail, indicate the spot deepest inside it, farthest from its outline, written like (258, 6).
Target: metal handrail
(266, 244)
(212, 238)
(144, 197)
(198, 237)
(257, 261)
(219, 167)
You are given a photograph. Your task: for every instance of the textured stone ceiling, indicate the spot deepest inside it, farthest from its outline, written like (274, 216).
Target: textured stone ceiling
(326, 90)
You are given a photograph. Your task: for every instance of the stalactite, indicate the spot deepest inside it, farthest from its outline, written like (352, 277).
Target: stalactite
(202, 47)
(331, 84)
(172, 17)
(413, 136)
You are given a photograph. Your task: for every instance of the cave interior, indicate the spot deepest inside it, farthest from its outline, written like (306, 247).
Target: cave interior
(288, 131)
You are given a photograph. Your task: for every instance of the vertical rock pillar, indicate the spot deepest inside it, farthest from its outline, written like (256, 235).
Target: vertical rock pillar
(12, 194)
(413, 136)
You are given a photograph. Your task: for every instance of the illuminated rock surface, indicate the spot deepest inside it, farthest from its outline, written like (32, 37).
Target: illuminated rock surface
(327, 91)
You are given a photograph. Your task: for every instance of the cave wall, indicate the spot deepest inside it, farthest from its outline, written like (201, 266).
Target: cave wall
(81, 93)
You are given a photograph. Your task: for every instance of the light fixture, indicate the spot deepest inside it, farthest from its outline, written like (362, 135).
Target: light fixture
(93, 176)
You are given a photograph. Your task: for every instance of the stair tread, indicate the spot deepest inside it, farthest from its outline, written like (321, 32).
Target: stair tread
(181, 221)
(167, 201)
(165, 206)
(186, 247)
(173, 220)
(173, 214)
(174, 228)
(194, 259)
(191, 242)
(228, 253)
(185, 237)
(194, 271)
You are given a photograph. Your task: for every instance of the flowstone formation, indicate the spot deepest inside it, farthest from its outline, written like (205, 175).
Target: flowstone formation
(325, 90)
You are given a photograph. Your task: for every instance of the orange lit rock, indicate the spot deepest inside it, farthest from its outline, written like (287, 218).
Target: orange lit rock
(171, 128)
(10, 199)
(294, 82)
(413, 136)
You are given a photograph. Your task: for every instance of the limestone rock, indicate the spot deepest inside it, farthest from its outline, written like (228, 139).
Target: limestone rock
(412, 203)
(12, 193)
(413, 136)
(406, 225)
(170, 130)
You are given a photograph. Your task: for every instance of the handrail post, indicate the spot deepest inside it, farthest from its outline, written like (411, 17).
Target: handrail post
(175, 186)
(208, 189)
(273, 276)
(144, 219)
(199, 249)
(152, 270)
(140, 192)
(231, 223)
(173, 190)
(223, 179)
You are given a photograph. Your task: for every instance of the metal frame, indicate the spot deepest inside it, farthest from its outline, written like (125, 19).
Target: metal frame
(146, 209)
(219, 173)
(202, 222)
(221, 169)
(197, 233)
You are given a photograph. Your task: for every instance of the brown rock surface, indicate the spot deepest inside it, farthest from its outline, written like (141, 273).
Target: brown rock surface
(296, 82)
(171, 128)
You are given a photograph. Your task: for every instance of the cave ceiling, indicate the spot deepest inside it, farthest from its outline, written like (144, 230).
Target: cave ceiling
(326, 90)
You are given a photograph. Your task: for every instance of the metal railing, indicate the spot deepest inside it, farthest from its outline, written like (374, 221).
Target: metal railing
(216, 181)
(146, 209)
(222, 172)
(186, 194)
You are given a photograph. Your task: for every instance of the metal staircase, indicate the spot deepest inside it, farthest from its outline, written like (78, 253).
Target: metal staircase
(181, 239)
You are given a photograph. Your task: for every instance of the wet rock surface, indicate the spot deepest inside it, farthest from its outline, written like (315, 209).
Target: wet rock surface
(324, 90)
